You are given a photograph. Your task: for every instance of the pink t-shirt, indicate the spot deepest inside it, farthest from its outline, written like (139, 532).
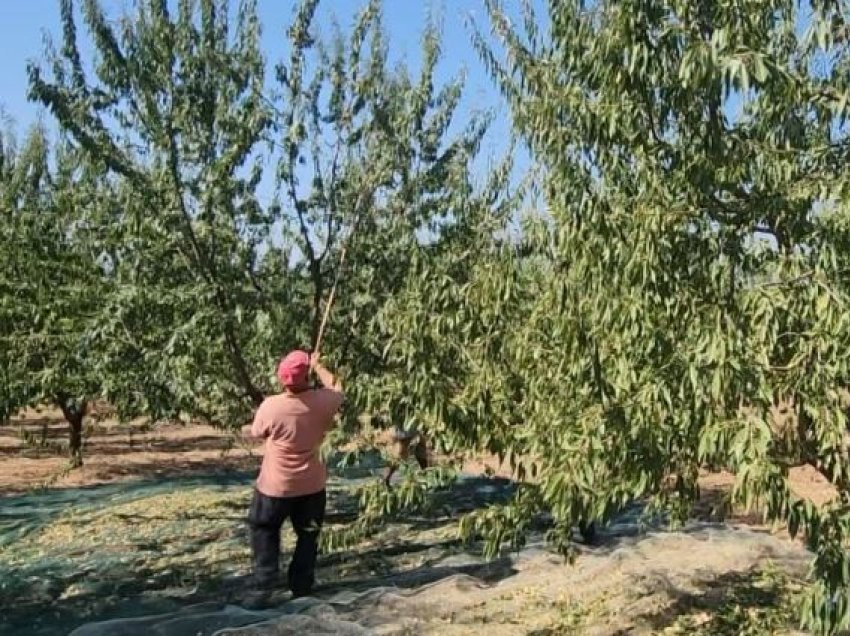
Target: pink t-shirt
(294, 426)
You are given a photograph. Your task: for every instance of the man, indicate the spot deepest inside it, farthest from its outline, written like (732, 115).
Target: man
(403, 440)
(291, 483)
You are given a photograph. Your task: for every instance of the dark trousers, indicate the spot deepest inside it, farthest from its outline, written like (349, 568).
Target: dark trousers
(266, 517)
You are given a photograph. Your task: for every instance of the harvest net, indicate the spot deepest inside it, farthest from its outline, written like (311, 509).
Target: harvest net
(169, 558)
(708, 580)
(130, 550)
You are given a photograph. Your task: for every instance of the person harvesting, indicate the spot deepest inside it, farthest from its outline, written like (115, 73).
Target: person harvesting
(403, 440)
(291, 482)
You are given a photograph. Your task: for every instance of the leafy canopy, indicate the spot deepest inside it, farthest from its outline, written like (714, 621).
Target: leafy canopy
(210, 283)
(52, 282)
(694, 160)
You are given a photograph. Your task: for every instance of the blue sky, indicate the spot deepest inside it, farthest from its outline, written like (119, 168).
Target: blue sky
(23, 23)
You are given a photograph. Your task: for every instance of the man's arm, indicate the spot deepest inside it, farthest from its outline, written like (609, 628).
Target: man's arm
(332, 395)
(328, 379)
(258, 430)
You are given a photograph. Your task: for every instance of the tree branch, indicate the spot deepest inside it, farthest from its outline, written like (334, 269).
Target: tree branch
(208, 271)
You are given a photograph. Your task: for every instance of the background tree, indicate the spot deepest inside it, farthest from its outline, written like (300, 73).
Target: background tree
(208, 284)
(695, 166)
(52, 285)
(174, 110)
(212, 284)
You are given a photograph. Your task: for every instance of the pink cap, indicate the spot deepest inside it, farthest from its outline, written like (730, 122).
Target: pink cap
(294, 369)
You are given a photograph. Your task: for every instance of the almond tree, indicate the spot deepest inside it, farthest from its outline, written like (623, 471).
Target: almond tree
(695, 169)
(370, 169)
(172, 106)
(52, 285)
(211, 282)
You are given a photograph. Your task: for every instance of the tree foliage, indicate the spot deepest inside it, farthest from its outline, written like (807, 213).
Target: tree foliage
(695, 169)
(173, 110)
(209, 283)
(369, 165)
(52, 284)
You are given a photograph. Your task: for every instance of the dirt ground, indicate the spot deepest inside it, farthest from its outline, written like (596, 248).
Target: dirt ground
(114, 452)
(117, 452)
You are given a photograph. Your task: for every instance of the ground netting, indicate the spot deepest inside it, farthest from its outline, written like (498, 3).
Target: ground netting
(169, 558)
(132, 549)
(658, 583)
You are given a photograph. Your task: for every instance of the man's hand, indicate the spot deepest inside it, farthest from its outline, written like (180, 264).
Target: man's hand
(328, 380)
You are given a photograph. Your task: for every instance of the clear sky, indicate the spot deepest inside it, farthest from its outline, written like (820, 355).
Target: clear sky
(23, 23)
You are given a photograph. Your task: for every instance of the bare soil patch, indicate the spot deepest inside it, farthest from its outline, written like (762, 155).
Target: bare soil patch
(139, 450)
(114, 452)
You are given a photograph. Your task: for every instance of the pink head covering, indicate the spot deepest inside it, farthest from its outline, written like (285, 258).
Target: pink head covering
(294, 369)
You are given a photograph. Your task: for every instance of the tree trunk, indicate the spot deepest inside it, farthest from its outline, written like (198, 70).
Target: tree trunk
(587, 531)
(74, 414)
(75, 445)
